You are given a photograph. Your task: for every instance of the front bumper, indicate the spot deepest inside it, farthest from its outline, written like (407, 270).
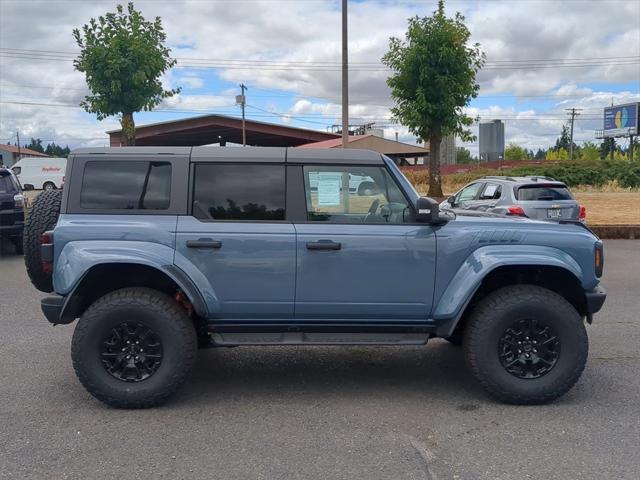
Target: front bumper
(594, 299)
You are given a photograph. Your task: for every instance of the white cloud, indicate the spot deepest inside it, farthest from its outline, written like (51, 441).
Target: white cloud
(310, 32)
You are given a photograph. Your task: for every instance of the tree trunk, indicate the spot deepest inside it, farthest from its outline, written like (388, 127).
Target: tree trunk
(128, 135)
(435, 183)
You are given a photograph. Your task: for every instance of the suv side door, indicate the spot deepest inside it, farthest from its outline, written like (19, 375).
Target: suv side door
(360, 256)
(238, 237)
(467, 197)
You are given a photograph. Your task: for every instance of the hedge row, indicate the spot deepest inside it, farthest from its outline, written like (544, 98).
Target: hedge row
(587, 173)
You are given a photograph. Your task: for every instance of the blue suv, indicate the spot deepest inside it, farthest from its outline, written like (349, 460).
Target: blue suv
(159, 251)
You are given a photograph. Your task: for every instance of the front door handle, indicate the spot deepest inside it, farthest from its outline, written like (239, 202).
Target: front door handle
(324, 245)
(204, 243)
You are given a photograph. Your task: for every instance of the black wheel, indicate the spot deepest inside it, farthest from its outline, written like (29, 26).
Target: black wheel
(48, 186)
(18, 242)
(526, 344)
(133, 348)
(43, 216)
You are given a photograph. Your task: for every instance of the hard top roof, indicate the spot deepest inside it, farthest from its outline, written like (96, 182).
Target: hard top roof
(245, 154)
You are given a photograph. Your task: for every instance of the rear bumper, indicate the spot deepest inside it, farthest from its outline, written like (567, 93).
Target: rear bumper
(595, 299)
(52, 308)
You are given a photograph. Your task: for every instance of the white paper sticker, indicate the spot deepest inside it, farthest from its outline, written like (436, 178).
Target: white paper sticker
(329, 188)
(490, 191)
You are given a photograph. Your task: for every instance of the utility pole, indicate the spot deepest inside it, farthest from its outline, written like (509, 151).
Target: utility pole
(18, 137)
(242, 100)
(345, 78)
(574, 113)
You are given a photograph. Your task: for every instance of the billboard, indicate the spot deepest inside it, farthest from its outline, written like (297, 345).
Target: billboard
(621, 120)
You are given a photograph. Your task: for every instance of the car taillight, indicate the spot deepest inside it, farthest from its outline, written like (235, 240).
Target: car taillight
(18, 200)
(46, 251)
(582, 215)
(515, 210)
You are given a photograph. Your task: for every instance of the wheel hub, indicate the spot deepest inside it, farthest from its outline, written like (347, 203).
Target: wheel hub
(131, 352)
(528, 349)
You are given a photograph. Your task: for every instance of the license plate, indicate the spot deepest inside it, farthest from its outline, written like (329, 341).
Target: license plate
(554, 213)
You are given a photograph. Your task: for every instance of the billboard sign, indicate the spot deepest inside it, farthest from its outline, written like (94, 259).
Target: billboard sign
(621, 120)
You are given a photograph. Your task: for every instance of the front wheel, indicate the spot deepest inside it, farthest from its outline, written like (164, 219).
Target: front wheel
(526, 344)
(133, 348)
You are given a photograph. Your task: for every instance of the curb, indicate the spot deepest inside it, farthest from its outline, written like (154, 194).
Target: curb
(616, 231)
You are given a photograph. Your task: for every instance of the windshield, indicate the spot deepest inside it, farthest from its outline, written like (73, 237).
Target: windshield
(544, 192)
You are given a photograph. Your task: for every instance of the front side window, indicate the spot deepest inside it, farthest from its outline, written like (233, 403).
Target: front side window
(341, 194)
(469, 193)
(239, 192)
(125, 185)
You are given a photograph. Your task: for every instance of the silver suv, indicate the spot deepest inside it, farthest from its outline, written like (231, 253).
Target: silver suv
(541, 198)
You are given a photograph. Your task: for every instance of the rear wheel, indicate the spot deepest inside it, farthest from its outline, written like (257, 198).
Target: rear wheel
(42, 217)
(133, 348)
(526, 344)
(48, 186)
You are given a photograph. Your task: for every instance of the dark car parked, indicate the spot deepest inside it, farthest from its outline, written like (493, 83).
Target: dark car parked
(12, 203)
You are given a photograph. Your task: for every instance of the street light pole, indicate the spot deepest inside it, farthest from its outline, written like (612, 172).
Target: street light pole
(345, 77)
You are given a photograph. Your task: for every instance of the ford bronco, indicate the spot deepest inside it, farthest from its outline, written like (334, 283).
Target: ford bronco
(161, 250)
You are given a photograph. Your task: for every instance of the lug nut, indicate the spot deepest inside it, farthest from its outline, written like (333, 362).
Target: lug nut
(535, 351)
(519, 351)
(526, 355)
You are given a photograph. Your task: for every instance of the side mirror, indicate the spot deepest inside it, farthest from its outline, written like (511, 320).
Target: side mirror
(27, 187)
(452, 200)
(427, 210)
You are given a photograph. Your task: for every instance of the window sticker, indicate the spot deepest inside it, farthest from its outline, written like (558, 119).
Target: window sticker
(329, 188)
(490, 191)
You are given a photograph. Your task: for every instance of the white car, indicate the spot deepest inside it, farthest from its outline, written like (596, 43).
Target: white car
(40, 173)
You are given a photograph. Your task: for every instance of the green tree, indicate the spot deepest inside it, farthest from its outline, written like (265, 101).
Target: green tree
(540, 154)
(515, 152)
(589, 151)
(35, 144)
(123, 58)
(607, 146)
(434, 77)
(564, 141)
(557, 154)
(463, 156)
(54, 150)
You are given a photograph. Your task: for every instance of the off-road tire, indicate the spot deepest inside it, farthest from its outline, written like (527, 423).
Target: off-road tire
(488, 322)
(155, 310)
(43, 216)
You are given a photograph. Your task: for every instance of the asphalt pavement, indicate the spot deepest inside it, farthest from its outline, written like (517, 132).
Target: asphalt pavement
(319, 412)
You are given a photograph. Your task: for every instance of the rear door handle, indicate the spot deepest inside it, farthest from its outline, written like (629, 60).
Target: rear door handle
(324, 245)
(204, 243)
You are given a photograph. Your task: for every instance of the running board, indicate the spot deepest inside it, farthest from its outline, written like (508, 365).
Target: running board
(229, 339)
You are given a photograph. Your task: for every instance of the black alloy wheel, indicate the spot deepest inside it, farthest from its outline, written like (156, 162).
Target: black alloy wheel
(529, 349)
(131, 352)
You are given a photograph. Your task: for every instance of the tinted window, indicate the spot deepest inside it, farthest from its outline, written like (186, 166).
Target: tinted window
(239, 192)
(7, 185)
(353, 195)
(541, 192)
(119, 185)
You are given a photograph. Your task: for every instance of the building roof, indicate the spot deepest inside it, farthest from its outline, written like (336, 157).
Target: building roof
(210, 129)
(22, 151)
(375, 143)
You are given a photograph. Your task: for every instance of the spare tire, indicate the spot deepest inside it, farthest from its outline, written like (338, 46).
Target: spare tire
(43, 216)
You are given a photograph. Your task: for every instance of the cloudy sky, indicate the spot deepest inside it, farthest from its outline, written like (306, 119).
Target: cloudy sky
(543, 56)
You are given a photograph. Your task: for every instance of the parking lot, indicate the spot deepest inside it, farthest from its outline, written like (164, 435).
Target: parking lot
(356, 413)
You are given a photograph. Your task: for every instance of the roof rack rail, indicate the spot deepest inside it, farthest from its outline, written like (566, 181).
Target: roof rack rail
(500, 177)
(541, 177)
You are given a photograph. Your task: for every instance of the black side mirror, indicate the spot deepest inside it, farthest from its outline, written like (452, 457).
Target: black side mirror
(452, 200)
(427, 210)
(27, 187)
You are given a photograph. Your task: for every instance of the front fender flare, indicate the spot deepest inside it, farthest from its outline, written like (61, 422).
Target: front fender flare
(480, 263)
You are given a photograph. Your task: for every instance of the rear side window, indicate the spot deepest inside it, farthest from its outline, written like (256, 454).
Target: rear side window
(542, 192)
(118, 185)
(491, 192)
(7, 185)
(239, 192)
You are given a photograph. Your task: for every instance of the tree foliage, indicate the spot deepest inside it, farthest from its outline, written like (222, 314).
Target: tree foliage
(516, 152)
(463, 156)
(51, 149)
(434, 76)
(123, 58)
(35, 145)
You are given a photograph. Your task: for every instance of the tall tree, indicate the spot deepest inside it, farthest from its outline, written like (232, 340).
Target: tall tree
(35, 144)
(123, 58)
(564, 140)
(515, 152)
(463, 156)
(434, 76)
